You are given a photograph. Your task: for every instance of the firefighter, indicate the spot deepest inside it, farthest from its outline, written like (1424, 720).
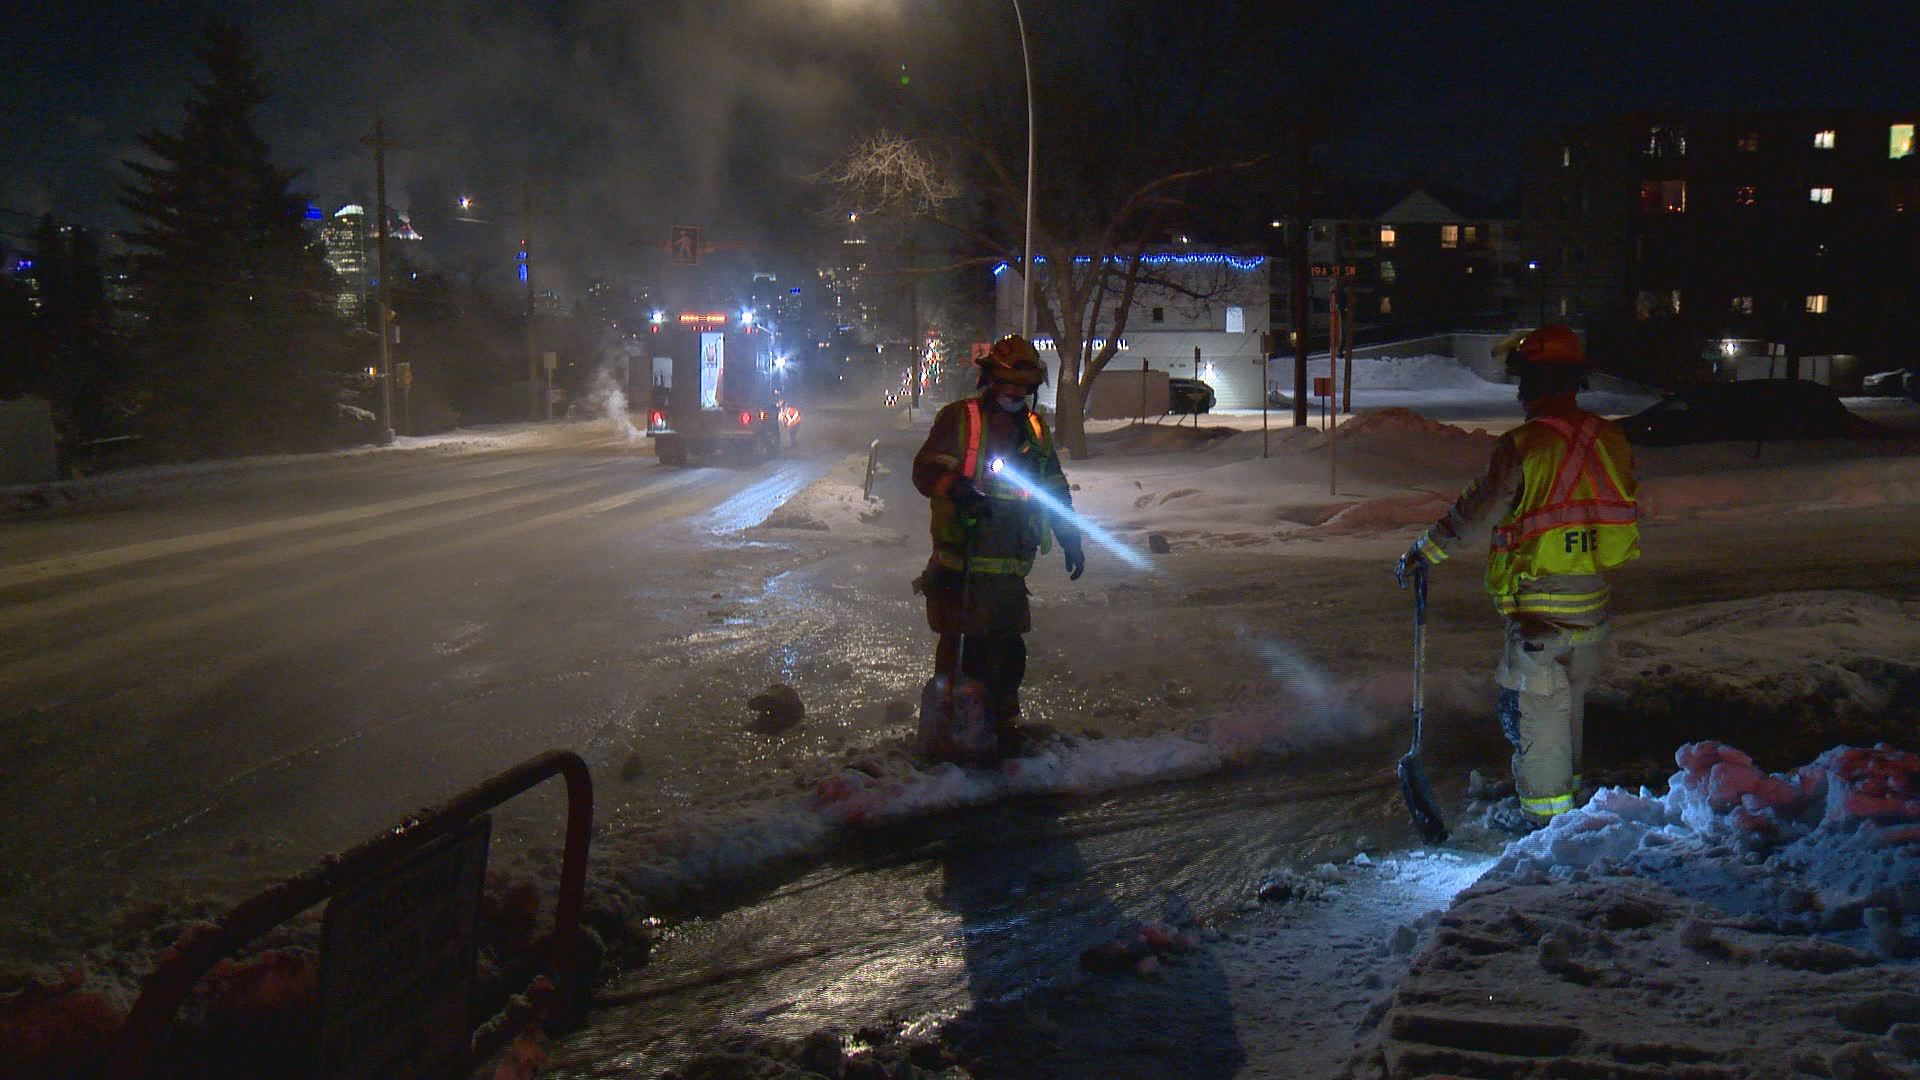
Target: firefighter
(987, 530)
(1559, 495)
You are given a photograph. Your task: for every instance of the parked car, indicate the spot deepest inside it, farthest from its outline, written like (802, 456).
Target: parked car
(1189, 397)
(1761, 410)
(1900, 382)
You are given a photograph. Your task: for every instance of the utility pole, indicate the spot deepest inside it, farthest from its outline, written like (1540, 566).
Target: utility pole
(1301, 267)
(914, 338)
(382, 318)
(526, 276)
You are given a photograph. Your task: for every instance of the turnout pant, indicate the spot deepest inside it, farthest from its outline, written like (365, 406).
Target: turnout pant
(1544, 675)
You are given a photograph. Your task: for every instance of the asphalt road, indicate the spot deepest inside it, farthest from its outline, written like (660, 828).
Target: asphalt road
(209, 680)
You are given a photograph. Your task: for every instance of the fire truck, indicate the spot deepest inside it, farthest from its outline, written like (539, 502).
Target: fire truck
(710, 388)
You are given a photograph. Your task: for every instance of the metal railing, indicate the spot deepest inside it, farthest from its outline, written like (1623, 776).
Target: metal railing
(200, 949)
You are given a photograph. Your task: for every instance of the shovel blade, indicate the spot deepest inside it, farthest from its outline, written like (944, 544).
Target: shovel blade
(1419, 798)
(957, 726)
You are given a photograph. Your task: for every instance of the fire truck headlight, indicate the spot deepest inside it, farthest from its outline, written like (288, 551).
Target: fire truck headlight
(996, 464)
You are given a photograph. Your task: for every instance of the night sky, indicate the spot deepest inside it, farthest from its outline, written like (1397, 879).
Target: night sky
(626, 118)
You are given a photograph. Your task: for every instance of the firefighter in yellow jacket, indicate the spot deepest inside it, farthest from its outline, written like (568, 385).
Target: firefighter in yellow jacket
(975, 466)
(1559, 498)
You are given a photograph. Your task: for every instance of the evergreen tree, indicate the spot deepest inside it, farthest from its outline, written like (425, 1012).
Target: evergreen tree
(239, 337)
(72, 341)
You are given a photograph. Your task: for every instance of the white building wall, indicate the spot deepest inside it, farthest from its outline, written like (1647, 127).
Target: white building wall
(1227, 359)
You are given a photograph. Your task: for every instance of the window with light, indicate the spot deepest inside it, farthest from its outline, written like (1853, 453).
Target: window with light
(1900, 141)
(1663, 196)
(1743, 305)
(1387, 236)
(1823, 140)
(1817, 304)
(1449, 236)
(1822, 195)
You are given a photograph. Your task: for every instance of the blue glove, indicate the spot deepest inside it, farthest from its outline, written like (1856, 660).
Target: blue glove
(1410, 564)
(1076, 558)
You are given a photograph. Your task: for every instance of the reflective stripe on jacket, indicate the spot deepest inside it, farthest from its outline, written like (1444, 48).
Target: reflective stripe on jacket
(1017, 526)
(1574, 515)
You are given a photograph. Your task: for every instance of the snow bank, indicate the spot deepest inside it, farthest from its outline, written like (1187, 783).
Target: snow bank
(1743, 924)
(837, 503)
(1810, 850)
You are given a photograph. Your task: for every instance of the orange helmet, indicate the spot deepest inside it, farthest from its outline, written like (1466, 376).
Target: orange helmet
(1012, 359)
(1551, 344)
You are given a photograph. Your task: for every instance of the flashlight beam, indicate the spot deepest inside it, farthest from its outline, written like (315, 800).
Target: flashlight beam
(1087, 528)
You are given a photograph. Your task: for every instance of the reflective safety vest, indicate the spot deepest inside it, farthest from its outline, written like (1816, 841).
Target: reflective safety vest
(1575, 516)
(1011, 500)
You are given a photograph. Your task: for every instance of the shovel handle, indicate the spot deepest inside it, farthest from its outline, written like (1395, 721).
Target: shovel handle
(1419, 649)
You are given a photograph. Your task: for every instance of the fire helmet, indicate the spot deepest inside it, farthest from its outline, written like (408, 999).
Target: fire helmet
(1550, 344)
(1012, 359)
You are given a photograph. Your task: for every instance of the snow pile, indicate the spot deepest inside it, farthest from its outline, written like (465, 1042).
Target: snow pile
(1810, 851)
(1426, 372)
(837, 503)
(1402, 421)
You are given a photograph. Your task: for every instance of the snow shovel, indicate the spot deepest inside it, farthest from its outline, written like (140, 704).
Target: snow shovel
(1413, 775)
(956, 713)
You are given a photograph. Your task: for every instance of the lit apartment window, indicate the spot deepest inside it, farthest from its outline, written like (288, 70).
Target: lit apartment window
(1743, 305)
(1900, 141)
(1823, 140)
(1820, 194)
(1470, 234)
(1236, 320)
(1745, 195)
(1663, 196)
(1387, 273)
(1817, 304)
(1748, 143)
(1386, 305)
(1566, 157)
(1667, 141)
(1449, 236)
(1386, 236)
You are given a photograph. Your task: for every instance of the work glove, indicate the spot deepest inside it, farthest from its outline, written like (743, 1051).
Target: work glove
(1411, 563)
(1076, 558)
(969, 500)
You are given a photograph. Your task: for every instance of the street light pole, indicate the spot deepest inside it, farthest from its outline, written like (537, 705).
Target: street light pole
(380, 268)
(1026, 270)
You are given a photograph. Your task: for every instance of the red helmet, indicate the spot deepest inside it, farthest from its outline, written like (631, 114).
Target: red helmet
(1012, 359)
(1551, 344)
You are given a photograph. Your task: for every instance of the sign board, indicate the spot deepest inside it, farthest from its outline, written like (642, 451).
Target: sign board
(1322, 386)
(397, 962)
(1328, 270)
(685, 245)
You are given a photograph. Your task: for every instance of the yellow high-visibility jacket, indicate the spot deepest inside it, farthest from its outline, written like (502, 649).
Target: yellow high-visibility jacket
(1562, 486)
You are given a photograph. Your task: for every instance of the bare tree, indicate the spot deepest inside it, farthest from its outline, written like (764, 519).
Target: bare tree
(1153, 121)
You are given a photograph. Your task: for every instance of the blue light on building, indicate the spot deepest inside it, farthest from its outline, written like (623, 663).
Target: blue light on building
(523, 272)
(314, 213)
